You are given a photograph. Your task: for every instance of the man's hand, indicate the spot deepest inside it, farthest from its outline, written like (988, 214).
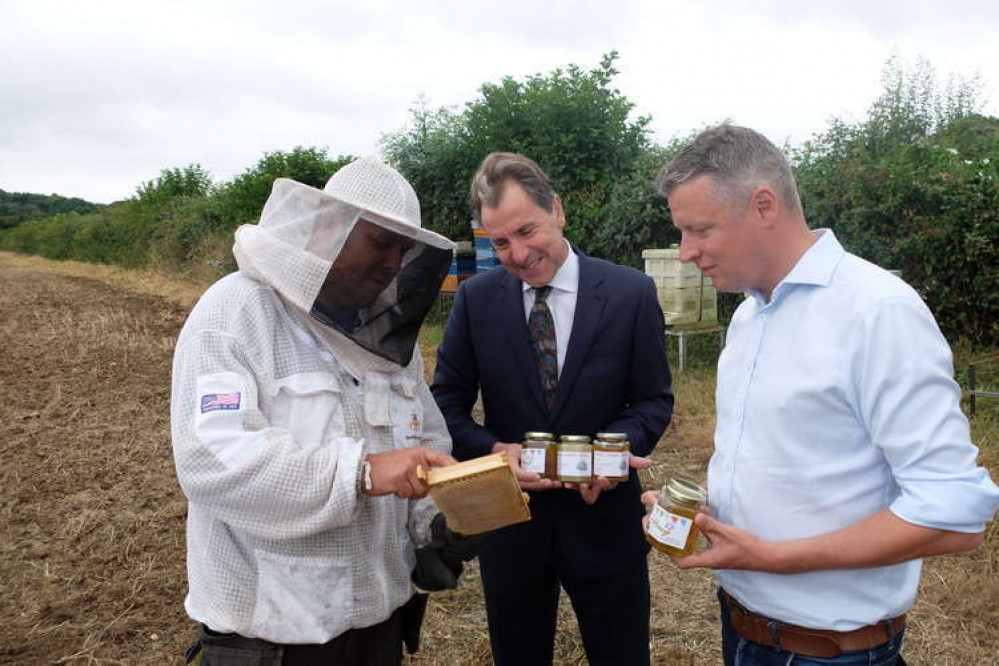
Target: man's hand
(527, 480)
(394, 472)
(731, 548)
(591, 491)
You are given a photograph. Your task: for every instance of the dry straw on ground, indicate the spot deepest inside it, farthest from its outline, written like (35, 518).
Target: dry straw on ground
(92, 520)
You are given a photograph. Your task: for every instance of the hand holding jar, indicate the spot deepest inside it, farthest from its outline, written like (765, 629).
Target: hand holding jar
(670, 527)
(526, 477)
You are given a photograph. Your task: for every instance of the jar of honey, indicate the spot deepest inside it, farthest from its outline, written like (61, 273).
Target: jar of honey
(671, 525)
(575, 459)
(610, 456)
(538, 454)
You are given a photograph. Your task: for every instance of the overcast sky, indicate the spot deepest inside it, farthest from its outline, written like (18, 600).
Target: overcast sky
(97, 97)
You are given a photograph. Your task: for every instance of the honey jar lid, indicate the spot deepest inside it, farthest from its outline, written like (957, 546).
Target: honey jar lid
(615, 437)
(575, 439)
(685, 491)
(539, 435)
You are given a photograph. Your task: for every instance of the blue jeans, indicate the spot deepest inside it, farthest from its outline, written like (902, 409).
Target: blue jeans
(737, 651)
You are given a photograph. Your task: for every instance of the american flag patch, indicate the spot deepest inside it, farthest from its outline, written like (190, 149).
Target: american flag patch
(214, 401)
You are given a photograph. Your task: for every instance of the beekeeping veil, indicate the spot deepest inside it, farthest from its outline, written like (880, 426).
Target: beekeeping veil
(353, 255)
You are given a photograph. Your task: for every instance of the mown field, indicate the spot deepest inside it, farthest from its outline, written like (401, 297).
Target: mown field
(92, 527)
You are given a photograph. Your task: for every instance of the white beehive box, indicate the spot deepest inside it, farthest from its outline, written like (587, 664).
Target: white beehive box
(687, 297)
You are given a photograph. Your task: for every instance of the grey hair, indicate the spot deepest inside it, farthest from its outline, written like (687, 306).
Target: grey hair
(496, 169)
(739, 159)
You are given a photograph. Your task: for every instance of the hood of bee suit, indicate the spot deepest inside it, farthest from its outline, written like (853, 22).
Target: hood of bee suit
(353, 256)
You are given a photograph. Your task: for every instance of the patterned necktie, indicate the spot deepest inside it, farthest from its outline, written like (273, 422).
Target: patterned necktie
(542, 328)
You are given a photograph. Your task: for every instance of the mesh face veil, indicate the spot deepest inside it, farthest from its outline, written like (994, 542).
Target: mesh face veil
(353, 255)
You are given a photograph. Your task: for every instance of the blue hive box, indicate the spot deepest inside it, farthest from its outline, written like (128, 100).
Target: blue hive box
(485, 255)
(462, 267)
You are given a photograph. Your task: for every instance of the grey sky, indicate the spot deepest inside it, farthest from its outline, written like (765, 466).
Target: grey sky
(96, 98)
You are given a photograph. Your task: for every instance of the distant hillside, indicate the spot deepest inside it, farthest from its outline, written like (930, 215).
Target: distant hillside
(17, 207)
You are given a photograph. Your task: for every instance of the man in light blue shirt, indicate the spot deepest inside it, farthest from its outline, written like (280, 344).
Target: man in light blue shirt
(842, 457)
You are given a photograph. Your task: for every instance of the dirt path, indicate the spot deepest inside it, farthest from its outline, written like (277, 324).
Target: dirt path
(92, 529)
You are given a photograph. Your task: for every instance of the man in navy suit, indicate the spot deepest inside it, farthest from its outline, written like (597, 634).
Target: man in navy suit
(612, 376)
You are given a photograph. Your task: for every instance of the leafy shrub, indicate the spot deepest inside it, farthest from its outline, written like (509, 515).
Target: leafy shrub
(572, 122)
(188, 181)
(915, 187)
(241, 200)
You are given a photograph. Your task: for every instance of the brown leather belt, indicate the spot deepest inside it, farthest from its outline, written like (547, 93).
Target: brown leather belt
(804, 640)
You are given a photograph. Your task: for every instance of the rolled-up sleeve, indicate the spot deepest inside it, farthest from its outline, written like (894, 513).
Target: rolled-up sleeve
(910, 404)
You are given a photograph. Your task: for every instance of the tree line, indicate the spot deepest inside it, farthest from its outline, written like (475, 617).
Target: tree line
(912, 186)
(18, 207)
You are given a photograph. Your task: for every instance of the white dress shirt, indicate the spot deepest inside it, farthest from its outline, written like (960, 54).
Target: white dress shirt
(561, 301)
(836, 400)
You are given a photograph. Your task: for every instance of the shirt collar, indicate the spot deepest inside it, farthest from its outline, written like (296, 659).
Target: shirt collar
(815, 267)
(567, 276)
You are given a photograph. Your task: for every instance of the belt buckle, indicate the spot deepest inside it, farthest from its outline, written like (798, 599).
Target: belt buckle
(774, 627)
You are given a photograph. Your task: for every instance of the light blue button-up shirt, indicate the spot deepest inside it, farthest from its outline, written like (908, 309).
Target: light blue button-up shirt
(836, 400)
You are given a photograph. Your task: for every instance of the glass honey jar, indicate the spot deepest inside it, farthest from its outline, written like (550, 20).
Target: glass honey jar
(610, 456)
(538, 454)
(671, 524)
(575, 459)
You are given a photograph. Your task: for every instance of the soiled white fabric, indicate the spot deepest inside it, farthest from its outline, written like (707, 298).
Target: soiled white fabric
(836, 400)
(271, 414)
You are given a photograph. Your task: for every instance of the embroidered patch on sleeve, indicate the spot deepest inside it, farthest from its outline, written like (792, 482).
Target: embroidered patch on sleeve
(215, 401)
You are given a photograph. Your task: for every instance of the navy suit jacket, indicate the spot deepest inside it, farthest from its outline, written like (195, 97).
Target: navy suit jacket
(615, 379)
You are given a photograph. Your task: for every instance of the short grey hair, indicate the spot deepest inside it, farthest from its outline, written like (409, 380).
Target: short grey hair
(496, 170)
(739, 159)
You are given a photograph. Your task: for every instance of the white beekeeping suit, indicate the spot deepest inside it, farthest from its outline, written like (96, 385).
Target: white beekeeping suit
(284, 379)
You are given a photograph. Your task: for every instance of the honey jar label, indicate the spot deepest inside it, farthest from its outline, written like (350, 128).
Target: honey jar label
(575, 463)
(610, 463)
(668, 528)
(532, 460)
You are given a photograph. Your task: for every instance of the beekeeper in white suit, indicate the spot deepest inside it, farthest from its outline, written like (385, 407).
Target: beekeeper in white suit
(299, 416)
